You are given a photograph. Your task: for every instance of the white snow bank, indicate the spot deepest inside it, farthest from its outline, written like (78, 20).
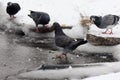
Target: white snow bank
(86, 70)
(111, 76)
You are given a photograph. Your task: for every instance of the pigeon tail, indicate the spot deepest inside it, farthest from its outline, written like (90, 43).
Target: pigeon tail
(116, 19)
(75, 44)
(9, 3)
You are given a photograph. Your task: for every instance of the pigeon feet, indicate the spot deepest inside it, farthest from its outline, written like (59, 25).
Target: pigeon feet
(110, 33)
(37, 30)
(45, 27)
(62, 58)
(104, 32)
(12, 17)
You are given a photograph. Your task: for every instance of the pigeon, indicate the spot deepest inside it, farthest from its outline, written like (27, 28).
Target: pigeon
(12, 9)
(67, 43)
(107, 21)
(39, 18)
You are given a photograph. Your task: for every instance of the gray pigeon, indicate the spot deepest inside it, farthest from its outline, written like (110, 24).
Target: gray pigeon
(39, 18)
(108, 22)
(64, 41)
(12, 9)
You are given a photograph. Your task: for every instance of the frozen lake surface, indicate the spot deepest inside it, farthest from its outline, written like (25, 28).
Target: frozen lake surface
(21, 53)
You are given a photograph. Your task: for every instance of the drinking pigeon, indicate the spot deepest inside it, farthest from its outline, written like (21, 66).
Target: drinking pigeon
(108, 22)
(62, 40)
(39, 18)
(12, 9)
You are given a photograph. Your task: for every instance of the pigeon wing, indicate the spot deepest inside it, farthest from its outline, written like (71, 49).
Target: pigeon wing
(107, 20)
(63, 41)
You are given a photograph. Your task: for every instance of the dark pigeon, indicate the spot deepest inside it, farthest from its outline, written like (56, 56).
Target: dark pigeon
(12, 9)
(64, 41)
(39, 18)
(108, 22)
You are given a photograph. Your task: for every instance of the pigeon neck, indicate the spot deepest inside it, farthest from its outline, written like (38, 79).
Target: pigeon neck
(98, 22)
(59, 31)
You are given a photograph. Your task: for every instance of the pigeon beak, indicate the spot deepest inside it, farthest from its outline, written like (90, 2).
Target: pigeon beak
(92, 21)
(29, 15)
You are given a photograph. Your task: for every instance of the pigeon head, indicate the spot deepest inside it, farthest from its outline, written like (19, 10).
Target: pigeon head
(56, 25)
(9, 3)
(96, 20)
(92, 18)
(58, 30)
(30, 15)
(33, 16)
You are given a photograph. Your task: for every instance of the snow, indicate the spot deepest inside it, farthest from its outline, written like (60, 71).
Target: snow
(67, 12)
(86, 70)
(111, 76)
